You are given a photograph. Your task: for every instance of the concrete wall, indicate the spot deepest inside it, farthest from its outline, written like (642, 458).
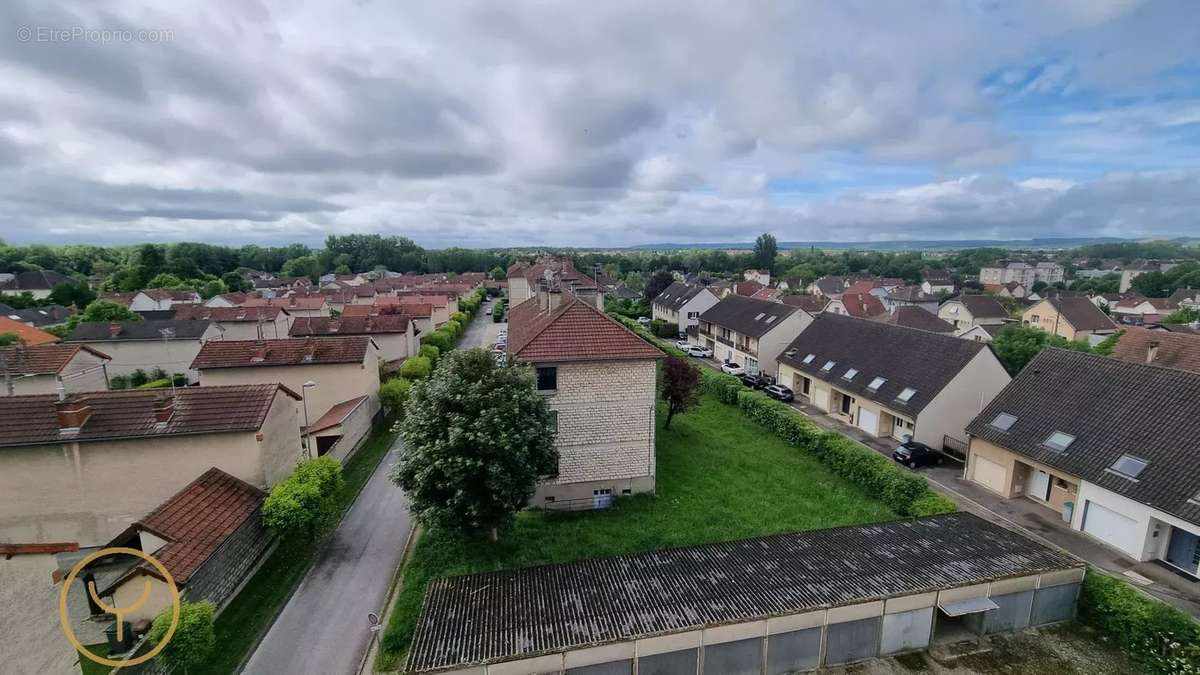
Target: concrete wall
(352, 431)
(771, 345)
(392, 346)
(33, 641)
(971, 390)
(335, 382)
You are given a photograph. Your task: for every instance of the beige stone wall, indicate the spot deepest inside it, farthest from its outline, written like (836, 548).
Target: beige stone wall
(1044, 316)
(518, 290)
(33, 641)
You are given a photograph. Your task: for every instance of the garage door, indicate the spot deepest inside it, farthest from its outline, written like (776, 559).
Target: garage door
(868, 421)
(1111, 527)
(989, 474)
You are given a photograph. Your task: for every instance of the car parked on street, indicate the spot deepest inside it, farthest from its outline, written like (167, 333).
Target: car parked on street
(757, 380)
(644, 320)
(914, 454)
(699, 351)
(732, 368)
(779, 392)
(682, 344)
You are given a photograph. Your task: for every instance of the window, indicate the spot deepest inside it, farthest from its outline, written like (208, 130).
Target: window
(1129, 466)
(876, 384)
(828, 366)
(771, 318)
(809, 358)
(554, 420)
(547, 379)
(850, 374)
(1003, 422)
(906, 394)
(760, 315)
(1058, 441)
(693, 315)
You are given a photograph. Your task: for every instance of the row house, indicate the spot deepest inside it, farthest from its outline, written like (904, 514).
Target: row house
(751, 333)
(524, 280)
(296, 305)
(163, 299)
(937, 280)
(37, 283)
(51, 368)
(240, 323)
(682, 304)
(169, 344)
(394, 334)
(909, 296)
(967, 311)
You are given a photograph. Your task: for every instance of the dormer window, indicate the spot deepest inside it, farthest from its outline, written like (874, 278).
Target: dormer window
(906, 395)
(1003, 422)
(828, 366)
(809, 358)
(1058, 441)
(1129, 466)
(876, 384)
(850, 374)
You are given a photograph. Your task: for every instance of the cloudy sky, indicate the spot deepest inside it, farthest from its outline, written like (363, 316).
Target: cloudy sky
(598, 123)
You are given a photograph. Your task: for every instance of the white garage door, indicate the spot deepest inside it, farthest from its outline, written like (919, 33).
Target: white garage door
(1111, 527)
(868, 421)
(989, 474)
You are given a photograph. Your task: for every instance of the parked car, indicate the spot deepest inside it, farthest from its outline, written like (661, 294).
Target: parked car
(683, 335)
(699, 351)
(644, 320)
(914, 454)
(732, 368)
(682, 344)
(757, 380)
(779, 392)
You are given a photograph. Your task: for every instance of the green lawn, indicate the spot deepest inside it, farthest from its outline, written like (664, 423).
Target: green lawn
(90, 667)
(720, 477)
(253, 610)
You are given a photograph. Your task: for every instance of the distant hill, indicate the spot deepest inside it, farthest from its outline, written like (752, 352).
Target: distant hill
(915, 245)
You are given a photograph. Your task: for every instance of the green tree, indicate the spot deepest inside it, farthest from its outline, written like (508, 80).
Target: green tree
(103, 310)
(477, 439)
(394, 394)
(416, 368)
(236, 283)
(306, 501)
(165, 280)
(72, 293)
(657, 284)
(440, 339)
(765, 251)
(498, 274)
(1183, 316)
(304, 266)
(9, 339)
(1016, 345)
(194, 639)
(680, 388)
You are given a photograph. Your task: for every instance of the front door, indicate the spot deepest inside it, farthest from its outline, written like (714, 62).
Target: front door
(1184, 551)
(846, 401)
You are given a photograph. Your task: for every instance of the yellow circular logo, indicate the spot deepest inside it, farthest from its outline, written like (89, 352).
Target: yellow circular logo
(119, 612)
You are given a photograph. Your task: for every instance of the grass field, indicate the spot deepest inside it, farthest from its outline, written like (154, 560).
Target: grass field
(720, 477)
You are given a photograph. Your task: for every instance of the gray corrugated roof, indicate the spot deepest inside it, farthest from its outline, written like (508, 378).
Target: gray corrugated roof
(677, 295)
(497, 616)
(1112, 408)
(905, 357)
(740, 313)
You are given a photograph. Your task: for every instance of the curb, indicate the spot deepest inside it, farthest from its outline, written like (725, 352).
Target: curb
(372, 652)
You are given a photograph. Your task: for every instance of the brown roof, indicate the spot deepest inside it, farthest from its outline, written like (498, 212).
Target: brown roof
(336, 414)
(909, 316)
(809, 303)
(195, 522)
(33, 420)
(747, 288)
(982, 306)
(767, 294)
(177, 294)
(1170, 350)
(47, 359)
(1081, 313)
(862, 305)
(290, 302)
(864, 286)
(33, 549)
(227, 314)
(283, 352)
(573, 331)
(28, 335)
(351, 325)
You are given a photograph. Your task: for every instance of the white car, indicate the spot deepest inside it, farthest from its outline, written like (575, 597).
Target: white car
(732, 369)
(683, 344)
(699, 351)
(644, 320)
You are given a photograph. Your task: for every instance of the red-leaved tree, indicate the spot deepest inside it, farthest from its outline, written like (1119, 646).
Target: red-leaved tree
(681, 386)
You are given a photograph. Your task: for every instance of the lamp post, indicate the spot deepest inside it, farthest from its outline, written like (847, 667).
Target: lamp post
(304, 400)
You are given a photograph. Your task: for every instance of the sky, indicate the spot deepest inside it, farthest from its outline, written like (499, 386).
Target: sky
(598, 124)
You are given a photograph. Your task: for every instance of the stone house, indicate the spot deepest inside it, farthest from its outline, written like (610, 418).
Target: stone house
(50, 368)
(752, 333)
(1074, 318)
(169, 344)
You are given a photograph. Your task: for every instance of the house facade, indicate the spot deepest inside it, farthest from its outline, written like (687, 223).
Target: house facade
(38, 283)
(50, 368)
(145, 345)
(30, 580)
(937, 280)
(1107, 445)
(240, 323)
(682, 304)
(1022, 272)
(394, 334)
(162, 299)
(1074, 318)
(749, 332)
(891, 381)
(965, 311)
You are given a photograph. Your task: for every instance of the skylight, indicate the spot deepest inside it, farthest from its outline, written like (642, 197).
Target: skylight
(828, 366)
(906, 394)
(1058, 441)
(809, 358)
(760, 316)
(771, 318)
(1129, 466)
(850, 374)
(1003, 421)
(876, 384)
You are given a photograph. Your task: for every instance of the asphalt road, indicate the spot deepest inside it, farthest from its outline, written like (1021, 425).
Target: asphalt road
(323, 628)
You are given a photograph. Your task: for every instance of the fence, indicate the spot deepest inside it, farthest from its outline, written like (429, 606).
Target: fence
(954, 447)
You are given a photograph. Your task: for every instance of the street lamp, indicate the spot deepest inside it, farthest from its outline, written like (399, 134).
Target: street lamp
(304, 400)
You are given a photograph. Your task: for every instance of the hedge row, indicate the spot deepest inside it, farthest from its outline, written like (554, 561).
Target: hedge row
(1157, 636)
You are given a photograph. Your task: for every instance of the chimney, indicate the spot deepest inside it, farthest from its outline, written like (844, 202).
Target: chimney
(260, 352)
(1151, 351)
(164, 407)
(73, 413)
(549, 295)
(114, 328)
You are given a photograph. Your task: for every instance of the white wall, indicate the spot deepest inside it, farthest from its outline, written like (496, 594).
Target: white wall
(961, 400)
(1152, 547)
(173, 356)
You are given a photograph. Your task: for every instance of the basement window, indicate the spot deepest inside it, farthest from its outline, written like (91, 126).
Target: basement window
(1003, 422)
(1058, 441)
(1129, 466)
(906, 395)
(547, 379)
(828, 366)
(850, 374)
(876, 384)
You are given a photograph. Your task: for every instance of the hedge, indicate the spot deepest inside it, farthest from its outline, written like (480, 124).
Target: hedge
(664, 329)
(1157, 636)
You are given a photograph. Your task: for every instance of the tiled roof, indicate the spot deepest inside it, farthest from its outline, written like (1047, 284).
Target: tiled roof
(1181, 294)
(499, 616)
(175, 294)
(809, 303)
(747, 288)
(1112, 408)
(909, 316)
(981, 306)
(28, 335)
(864, 286)
(119, 331)
(748, 316)
(937, 276)
(767, 294)
(46, 315)
(35, 280)
(1170, 350)
(831, 285)
(351, 325)
(310, 351)
(47, 359)
(227, 314)
(32, 420)
(336, 414)
(1081, 313)
(675, 296)
(298, 302)
(909, 294)
(195, 522)
(7, 550)
(862, 305)
(904, 357)
(573, 331)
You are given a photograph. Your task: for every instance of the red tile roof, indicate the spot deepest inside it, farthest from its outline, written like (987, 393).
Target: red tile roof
(767, 294)
(28, 335)
(283, 352)
(1170, 350)
(195, 522)
(336, 414)
(33, 420)
(301, 302)
(47, 359)
(747, 288)
(862, 305)
(33, 549)
(573, 331)
(228, 314)
(411, 298)
(351, 325)
(862, 287)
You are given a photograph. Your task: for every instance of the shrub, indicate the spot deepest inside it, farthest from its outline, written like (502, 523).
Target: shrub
(454, 328)
(138, 377)
(417, 368)
(498, 312)
(430, 352)
(194, 639)
(179, 380)
(664, 329)
(724, 388)
(1159, 637)
(460, 317)
(394, 394)
(931, 504)
(161, 383)
(439, 339)
(158, 373)
(306, 501)
(118, 382)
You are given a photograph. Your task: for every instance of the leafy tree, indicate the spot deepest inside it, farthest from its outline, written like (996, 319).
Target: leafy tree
(1109, 283)
(394, 394)
(194, 639)
(680, 388)
(430, 352)
(70, 293)
(498, 274)
(165, 280)
(103, 310)
(22, 300)
(477, 439)
(440, 339)
(236, 283)
(416, 368)
(1183, 316)
(454, 328)
(657, 284)
(306, 501)
(150, 260)
(9, 339)
(304, 266)
(765, 251)
(212, 288)
(1016, 345)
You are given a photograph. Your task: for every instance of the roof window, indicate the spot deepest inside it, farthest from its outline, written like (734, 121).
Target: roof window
(1058, 441)
(850, 374)
(760, 316)
(771, 318)
(809, 358)
(906, 395)
(1129, 466)
(1003, 421)
(876, 384)
(828, 366)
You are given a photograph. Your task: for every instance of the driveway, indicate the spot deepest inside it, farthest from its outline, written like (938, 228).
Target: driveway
(323, 628)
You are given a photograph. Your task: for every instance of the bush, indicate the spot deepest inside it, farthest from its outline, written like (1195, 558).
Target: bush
(454, 328)
(430, 352)
(118, 382)
(194, 639)
(179, 380)
(394, 394)
(439, 339)
(161, 383)
(306, 502)
(664, 329)
(932, 504)
(498, 312)
(417, 368)
(460, 317)
(138, 377)
(1158, 637)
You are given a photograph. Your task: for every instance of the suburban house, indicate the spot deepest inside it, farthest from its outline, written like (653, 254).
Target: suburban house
(342, 428)
(240, 323)
(84, 467)
(985, 333)
(1186, 298)
(767, 293)
(761, 276)
(28, 335)
(599, 378)
(1106, 444)
(524, 280)
(891, 381)
(1158, 348)
(909, 296)
(1074, 318)
(751, 333)
(326, 371)
(829, 287)
(37, 283)
(1013, 289)
(38, 317)
(911, 316)
(936, 280)
(160, 299)
(394, 334)
(296, 305)
(441, 307)
(50, 368)
(1022, 272)
(145, 345)
(1149, 310)
(682, 304)
(30, 575)
(1128, 274)
(859, 305)
(964, 311)
(747, 288)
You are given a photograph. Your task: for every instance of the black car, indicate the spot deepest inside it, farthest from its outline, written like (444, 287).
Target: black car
(779, 392)
(757, 381)
(913, 454)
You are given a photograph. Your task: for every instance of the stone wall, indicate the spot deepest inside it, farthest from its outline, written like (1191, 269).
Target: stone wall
(228, 566)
